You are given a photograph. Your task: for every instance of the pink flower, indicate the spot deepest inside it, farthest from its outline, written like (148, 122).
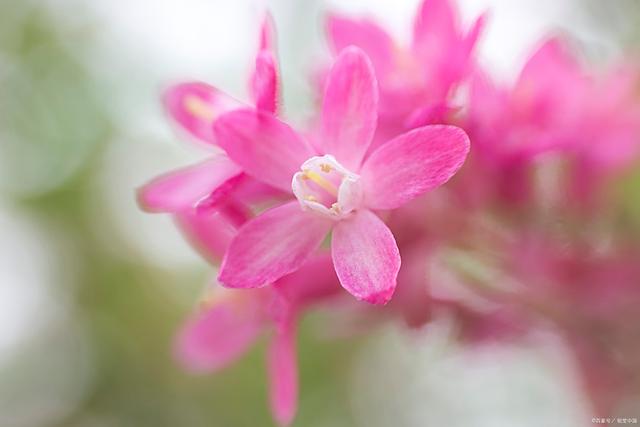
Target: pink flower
(555, 106)
(416, 80)
(512, 126)
(336, 187)
(194, 107)
(228, 322)
(527, 118)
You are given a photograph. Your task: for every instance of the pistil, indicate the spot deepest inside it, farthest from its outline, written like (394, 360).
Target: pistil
(327, 188)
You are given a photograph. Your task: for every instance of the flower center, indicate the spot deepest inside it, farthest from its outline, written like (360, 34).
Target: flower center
(326, 187)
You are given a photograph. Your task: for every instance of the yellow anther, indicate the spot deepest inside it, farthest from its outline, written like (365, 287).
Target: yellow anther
(325, 168)
(311, 198)
(324, 183)
(198, 108)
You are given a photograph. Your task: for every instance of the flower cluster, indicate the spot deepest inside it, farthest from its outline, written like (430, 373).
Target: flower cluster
(359, 203)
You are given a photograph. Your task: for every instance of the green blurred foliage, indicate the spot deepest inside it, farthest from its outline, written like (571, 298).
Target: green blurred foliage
(51, 116)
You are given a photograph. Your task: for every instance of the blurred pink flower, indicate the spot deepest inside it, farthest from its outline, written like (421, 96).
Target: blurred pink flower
(335, 188)
(555, 106)
(513, 126)
(416, 81)
(527, 118)
(228, 322)
(604, 136)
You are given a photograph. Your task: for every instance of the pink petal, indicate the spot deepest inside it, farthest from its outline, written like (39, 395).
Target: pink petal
(227, 199)
(264, 82)
(366, 35)
(195, 106)
(268, 33)
(252, 191)
(440, 46)
(183, 188)
(366, 257)
(213, 338)
(487, 103)
(471, 39)
(266, 148)
(413, 163)
(552, 60)
(551, 83)
(349, 109)
(283, 373)
(435, 27)
(210, 233)
(313, 282)
(273, 244)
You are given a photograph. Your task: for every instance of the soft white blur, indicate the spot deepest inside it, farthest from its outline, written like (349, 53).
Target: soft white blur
(415, 379)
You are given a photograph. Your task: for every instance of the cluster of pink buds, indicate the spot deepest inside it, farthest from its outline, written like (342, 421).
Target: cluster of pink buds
(357, 207)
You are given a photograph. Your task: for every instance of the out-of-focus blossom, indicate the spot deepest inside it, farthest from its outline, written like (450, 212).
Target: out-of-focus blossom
(523, 120)
(228, 322)
(511, 126)
(335, 188)
(555, 107)
(604, 136)
(416, 81)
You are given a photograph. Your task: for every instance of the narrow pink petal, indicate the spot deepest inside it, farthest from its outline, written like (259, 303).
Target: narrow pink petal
(349, 109)
(268, 33)
(264, 82)
(487, 102)
(366, 257)
(471, 39)
(183, 188)
(365, 34)
(436, 26)
(283, 372)
(266, 148)
(195, 106)
(413, 163)
(215, 337)
(273, 244)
